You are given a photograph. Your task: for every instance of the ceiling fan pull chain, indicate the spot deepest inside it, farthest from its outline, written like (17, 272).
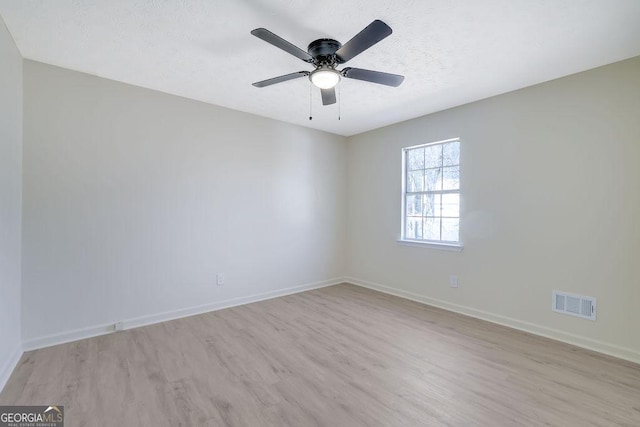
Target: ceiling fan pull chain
(310, 103)
(339, 102)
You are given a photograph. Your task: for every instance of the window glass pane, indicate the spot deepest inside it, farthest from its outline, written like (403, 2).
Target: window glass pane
(433, 156)
(431, 205)
(414, 205)
(451, 153)
(432, 179)
(415, 159)
(433, 171)
(415, 181)
(413, 228)
(451, 229)
(451, 205)
(451, 179)
(431, 229)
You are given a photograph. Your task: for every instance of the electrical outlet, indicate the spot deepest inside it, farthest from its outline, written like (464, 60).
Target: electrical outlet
(453, 281)
(220, 279)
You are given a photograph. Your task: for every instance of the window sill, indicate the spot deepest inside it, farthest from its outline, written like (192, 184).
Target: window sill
(432, 245)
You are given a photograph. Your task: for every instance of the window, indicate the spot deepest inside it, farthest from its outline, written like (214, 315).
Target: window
(431, 193)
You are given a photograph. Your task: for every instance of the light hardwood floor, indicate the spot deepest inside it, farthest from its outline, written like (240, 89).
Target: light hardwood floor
(337, 356)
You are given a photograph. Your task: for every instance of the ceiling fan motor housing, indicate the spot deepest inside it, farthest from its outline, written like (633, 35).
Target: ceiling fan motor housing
(323, 50)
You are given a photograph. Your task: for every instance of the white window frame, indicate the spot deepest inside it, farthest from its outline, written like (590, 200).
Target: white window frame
(437, 244)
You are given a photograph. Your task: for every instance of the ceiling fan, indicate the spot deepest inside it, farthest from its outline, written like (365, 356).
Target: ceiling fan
(326, 54)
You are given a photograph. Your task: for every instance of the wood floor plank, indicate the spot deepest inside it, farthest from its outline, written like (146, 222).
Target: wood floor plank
(337, 356)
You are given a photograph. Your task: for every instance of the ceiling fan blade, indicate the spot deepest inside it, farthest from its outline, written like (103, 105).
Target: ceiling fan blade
(328, 96)
(373, 76)
(281, 79)
(277, 41)
(362, 41)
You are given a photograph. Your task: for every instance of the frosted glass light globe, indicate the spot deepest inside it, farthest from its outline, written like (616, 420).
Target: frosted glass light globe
(325, 78)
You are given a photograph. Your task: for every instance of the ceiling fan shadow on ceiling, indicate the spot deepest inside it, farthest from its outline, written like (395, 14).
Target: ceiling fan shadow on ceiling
(326, 54)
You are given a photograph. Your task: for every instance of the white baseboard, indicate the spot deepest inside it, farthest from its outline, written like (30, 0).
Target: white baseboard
(9, 366)
(577, 340)
(65, 337)
(94, 331)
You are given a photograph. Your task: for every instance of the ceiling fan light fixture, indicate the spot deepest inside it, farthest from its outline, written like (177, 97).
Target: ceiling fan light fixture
(327, 54)
(325, 77)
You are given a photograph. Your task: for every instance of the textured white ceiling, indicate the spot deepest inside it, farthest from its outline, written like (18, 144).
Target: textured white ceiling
(450, 51)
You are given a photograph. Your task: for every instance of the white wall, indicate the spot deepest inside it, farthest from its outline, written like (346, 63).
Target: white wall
(551, 200)
(135, 199)
(10, 201)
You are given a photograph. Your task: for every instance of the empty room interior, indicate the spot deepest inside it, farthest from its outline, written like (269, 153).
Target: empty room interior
(320, 213)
